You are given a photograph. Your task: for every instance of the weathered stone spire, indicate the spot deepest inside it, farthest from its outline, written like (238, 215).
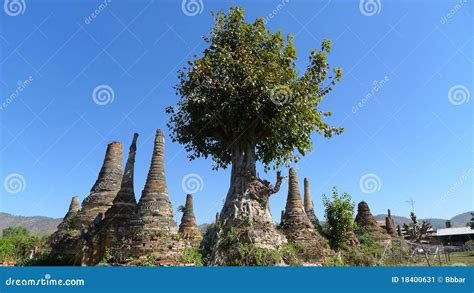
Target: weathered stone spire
(155, 231)
(188, 227)
(99, 200)
(366, 221)
(108, 182)
(389, 224)
(126, 194)
(294, 207)
(308, 205)
(113, 231)
(154, 206)
(74, 207)
(296, 225)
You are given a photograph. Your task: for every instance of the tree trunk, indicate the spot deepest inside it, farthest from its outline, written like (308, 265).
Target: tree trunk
(246, 207)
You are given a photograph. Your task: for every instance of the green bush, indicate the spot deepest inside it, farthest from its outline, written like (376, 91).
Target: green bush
(289, 254)
(339, 214)
(190, 255)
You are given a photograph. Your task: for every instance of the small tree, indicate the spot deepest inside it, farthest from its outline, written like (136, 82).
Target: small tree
(15, 231)
(339, 214)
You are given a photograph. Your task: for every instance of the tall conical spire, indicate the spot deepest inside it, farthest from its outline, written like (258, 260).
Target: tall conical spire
(294, 206)
(126, 193)
(110, 174)
(154, 205)
(106, 187)
(309, 206)
(99, 200)
(188, 227)
(112, 232)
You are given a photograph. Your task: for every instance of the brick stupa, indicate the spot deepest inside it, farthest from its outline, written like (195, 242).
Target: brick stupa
(113, 233)
(102, 193)
(188, 228)
(367, 223)
(298, 228)
(155, 230)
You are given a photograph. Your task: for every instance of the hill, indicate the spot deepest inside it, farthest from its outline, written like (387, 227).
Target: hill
(36, 224)
(457, 221)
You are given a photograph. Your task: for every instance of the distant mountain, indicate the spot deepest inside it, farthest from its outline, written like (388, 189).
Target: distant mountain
(461, 220)
(36, 224)
(457, 221)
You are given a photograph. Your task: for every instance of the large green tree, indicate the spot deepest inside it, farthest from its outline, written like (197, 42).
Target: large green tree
(243, 101)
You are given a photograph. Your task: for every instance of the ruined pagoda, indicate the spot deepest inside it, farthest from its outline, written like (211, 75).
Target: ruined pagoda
(103, 192)
(309, 206)
(105, 188)
(297, 226)
(155, 229)
(367, 223)
(188, 228)
(114, 231)
(63, 241)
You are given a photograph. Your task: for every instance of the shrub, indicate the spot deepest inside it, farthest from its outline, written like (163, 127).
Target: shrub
(339, 214)
(190, 255)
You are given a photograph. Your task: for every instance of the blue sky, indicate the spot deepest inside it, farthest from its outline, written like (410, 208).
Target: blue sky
(404, 99)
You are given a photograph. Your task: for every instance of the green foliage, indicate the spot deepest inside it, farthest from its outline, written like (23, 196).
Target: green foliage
(369, 246)
(17, 244)
(190, 255)
(208, 240)
(248, 254)
(107, 258)
(289, 254)
(8, 251)
(335, 260)
(150, 260)
(339, 214)
(245, 91)
(240, 253)
(15, 232)
(469, 243)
